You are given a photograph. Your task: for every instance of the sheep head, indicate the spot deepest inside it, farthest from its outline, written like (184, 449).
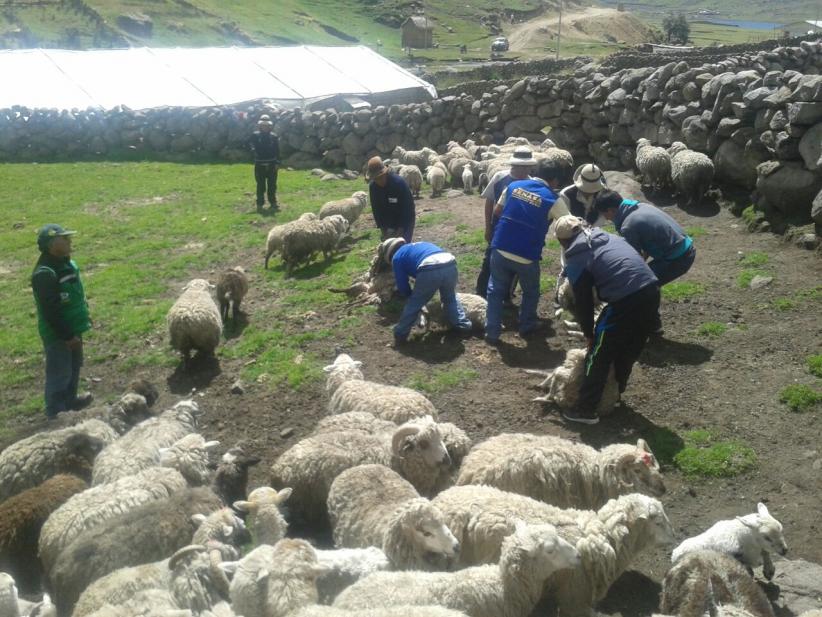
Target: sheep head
(423, 437)
(222, 525)
(536, 549)
(361, 197)
(634, 469)
(259, 497)
(642, 143)
(650, 511)
(422, 525)
(144, 388)
(345, 368)
(83, 446)
(198, 285)
(676, 148)
(767, 531)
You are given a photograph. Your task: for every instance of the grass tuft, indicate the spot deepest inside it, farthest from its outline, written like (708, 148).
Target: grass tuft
(704, 456)
(784, 304)
(755, 259)
(815, 364)
(800, 398)
(712, 328)
(745, 277)
(441, 379)
(696, 232)
(678, 291)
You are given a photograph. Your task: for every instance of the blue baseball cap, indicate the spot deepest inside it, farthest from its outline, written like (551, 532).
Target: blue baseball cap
(50, 231)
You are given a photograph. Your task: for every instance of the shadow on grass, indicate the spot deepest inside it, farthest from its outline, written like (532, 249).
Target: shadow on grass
(662, 352)
(233, 328)
(315, 268)
(707, 207)
(449, 348)
(199, 374)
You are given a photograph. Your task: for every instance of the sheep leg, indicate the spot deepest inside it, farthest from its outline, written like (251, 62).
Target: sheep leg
(768, 569)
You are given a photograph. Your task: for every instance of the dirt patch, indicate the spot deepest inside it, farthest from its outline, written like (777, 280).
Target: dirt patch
(728, 384)
(113, 209)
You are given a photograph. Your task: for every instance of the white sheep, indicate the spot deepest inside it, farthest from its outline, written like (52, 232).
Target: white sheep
(345, 566)
(692, 172)
(750, 538)
(232, 286)
(467, 180)
(350, 208)
(530, 556)
(353, 421)
(395, 611)
(371, 505)
(701, 580)
(559, 158)
(120, 586)
(562, 472)
(564, 382)
(608, 540)
(33, 460)
(455, 151)
(413, 177)
(415, 450)
(653, 163)
(436, 177)
(265, 520)
(9, 606)
(194, 321)
(302, 242)
(140, 447)
(131, 408)
(274, 240)
(100, 503)
(419, 158)
(190, 456)
(475, 308)
(350, 392)
(456, 168)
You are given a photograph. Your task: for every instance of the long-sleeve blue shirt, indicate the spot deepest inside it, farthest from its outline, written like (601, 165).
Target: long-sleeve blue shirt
(649, 229)
(406, 263)
(392, 205)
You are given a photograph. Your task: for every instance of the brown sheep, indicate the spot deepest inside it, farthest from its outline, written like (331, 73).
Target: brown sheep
(231, 289)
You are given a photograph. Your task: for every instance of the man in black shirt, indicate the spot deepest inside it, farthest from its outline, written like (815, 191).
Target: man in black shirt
(266, 147)
(391, 202)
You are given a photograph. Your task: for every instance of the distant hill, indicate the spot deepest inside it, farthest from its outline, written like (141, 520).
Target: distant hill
(778, 11)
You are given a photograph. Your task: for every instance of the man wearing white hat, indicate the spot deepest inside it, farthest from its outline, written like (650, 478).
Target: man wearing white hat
(266, 147)
(597, 259)
(578, 198)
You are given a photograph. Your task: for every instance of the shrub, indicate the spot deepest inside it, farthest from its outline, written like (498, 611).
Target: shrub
(712, 328)
(815, 364)
(706, 457)
(678, 290)
(754, 259)
(799, 397)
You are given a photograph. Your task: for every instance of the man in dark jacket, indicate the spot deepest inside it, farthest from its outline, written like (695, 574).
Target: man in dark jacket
(433, 269)
(391, 201)
(62, 318)
(266, 147)
(596, 259)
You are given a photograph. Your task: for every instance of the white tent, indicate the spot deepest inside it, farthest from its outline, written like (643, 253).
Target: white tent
(142, 78)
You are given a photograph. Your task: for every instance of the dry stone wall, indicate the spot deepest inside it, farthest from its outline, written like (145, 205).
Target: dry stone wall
(758, 115)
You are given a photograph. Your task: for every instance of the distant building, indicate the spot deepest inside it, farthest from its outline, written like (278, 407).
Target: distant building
(417, 32)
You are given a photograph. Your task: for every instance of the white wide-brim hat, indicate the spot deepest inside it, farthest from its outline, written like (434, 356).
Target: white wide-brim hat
(589, 178)
(522, 156)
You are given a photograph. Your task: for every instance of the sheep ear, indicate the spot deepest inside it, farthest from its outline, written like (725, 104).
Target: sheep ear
(762, 509)
(283, 495)
(328, 369)
(198, 519)
(261, 576)
(643, 445)
(229, 567)
(244, 506)
(210, 445)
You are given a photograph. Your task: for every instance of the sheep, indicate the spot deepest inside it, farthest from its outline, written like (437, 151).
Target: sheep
(190, 456)
(475, 308)
(197, 582)
(467, 180)
(194, 321)
(396, 611)
(371, 505)
(418, 158)
(455, 151)
(560, 158)
(302, 242)
(232, 286)
(692, 172)
(456, 168)
(140, 447)
(436, 177)
(145, 533)
(344, 566)
(563, 384)
(145, 603)
(608, 540)
(415, 450)
(33, 460)
(413, 177)
(274, 241)
(561, 472)
(350, 392)
(265, 521)
(120, 586)
(750, 538)
(132, 408)
(231, 478)
(702, 579)
(353, 421)
(653, 163)
(22, 518)
(350, 208)
(512, 588)
(92, 507)
(9, 602)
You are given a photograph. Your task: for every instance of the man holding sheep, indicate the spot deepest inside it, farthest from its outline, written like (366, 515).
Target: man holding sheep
(391, 201)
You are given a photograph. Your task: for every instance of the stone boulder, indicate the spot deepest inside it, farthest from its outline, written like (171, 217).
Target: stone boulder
(626, 185)
(788, 188)
(810, 148)
(800, 586)
(731, 165)
(816, 209)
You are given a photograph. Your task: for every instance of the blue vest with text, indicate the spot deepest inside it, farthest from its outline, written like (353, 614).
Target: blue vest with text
(524, 220)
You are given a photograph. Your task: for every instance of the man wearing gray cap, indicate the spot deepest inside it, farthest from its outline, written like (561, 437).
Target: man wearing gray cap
(62, 318)
(597, 259)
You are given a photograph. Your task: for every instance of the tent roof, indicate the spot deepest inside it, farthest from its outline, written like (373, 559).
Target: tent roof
(141, 78)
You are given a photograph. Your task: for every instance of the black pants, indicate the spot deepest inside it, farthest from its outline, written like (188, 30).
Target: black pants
(485, 274)
(620, 335)
(266, 173)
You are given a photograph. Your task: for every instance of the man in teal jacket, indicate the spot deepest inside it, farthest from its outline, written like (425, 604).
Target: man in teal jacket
(62, 318)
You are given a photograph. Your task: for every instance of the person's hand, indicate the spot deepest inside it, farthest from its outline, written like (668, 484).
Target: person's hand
(589, 343)
(74, 343)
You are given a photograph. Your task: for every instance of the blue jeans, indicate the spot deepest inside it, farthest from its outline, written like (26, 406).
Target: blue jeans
(503, 270)
(430, 280)
(62, 376)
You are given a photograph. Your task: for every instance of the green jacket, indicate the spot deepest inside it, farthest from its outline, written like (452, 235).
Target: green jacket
(62, 311)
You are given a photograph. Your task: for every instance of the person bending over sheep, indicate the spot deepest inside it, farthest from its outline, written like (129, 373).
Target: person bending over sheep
(391, 201)
(433, 269)
(596, 259)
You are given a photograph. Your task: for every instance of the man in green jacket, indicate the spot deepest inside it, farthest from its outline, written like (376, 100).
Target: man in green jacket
(62, 318)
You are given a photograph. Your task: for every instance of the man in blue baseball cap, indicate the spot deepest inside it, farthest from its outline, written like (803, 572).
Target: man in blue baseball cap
(62, 318)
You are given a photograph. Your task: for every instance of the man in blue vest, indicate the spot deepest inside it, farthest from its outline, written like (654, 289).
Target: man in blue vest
(597, 259)
(524, 215)
(62, 318)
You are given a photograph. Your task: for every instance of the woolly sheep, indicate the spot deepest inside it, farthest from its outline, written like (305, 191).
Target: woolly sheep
(146, 533)
(350, 392)
(560, 158)
(33, 460)
(608, 540)
(265, 521)
(120, 586)
(132, 408)
(419, 158)
(512, 588)
(345, 566)
(190, 456)
(750, 538)
(563, 384)
(692, 172)
(350, 208)
(467, 180)
(562, 472)
(455, 151)
(415, 450)
(653, 163)
(436, 177)
(145, 603)
(413, 177)
(22, 518)
(90, 508)
(231, 478)
(140, 447)
(371, 505)
(194, 321)
(302, 242)
(475, 308)
(274, 241)
(232, 286)
(396, 611)
(703, 579)
(197, 581)
(354, 421)
(456, 168)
